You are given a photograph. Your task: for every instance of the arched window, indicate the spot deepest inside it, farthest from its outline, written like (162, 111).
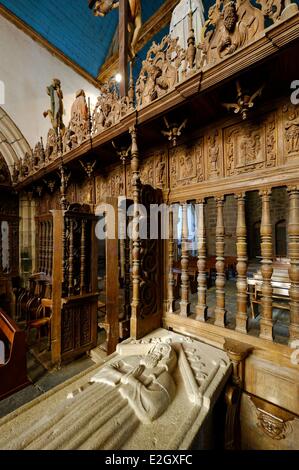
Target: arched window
(281, 239)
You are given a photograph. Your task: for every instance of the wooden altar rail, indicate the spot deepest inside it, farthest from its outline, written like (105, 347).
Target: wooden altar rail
(241, 325)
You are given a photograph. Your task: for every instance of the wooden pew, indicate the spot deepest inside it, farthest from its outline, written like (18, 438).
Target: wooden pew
(13, 374)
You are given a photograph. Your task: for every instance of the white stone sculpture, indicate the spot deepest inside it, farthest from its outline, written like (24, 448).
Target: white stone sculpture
(155, 393)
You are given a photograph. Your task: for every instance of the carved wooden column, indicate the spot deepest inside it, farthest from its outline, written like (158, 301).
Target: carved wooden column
(266, 322)
(51, 247)
(184, 303)
(71, 258)
(47, 264)
(241, 317)
(135, 305)
(82, 257)
(293, 253)
(220, 312)
(171, 298)
(201, 307)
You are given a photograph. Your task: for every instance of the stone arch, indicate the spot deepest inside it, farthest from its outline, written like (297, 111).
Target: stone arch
(5, 178)
(13, 144)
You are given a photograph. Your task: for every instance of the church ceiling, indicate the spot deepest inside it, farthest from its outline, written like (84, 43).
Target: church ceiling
(71, 27)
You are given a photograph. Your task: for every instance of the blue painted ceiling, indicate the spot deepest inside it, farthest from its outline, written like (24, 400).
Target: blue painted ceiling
(71, 27)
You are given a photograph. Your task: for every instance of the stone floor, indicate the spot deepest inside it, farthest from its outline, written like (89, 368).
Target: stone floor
(42, 381)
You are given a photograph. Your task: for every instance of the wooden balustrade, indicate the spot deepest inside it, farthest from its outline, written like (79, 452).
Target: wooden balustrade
(220, 312)
(201, 307)
(266, 322)
(184, 303)
(241, 316)
(293, 250)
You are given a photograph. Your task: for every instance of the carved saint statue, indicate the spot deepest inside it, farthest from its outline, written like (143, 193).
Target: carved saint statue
(103, 7)
(180, 21)
(144, 381)
(56, 111)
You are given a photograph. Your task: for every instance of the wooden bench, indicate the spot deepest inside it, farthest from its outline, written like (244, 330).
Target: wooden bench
(13, 374)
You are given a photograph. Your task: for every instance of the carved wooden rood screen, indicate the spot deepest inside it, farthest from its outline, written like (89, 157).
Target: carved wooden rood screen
(231, 275)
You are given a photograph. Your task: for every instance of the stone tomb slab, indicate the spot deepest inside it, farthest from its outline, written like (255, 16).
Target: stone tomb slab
(153, 394)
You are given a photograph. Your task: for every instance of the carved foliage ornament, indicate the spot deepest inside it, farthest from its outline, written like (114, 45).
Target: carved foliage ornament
(273, 426)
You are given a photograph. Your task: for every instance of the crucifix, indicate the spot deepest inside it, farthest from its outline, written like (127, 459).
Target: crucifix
(130, 23)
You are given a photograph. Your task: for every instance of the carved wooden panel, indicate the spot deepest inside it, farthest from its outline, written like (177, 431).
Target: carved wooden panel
(290, 129)
(187, 164)
(250, 146)
(77, 326)
(153, 170)
(110, 184)
(214, 154)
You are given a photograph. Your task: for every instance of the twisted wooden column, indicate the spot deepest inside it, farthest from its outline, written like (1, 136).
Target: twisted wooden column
(201, 307)
(82, 257)
(184, 303)
(71, 258)
(171, 298)
(266, 322)
(241, 317)
(293, 253)
(220, 312)
(136, 263)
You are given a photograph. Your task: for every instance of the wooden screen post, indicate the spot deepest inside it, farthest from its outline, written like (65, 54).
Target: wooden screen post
(170, 264)
(135, 305)
(58, 230)
(241, 317)
(293, 253)
(220, 312)
(112, 287)
(266, 322)
(201, 307)
(184, 303)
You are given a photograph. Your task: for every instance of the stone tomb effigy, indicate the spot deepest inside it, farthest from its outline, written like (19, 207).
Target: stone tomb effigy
(153, 394)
